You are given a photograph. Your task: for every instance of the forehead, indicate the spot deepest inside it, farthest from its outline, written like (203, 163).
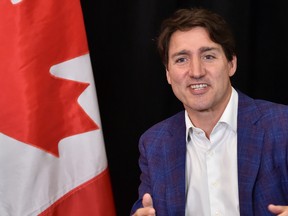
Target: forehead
(194, 38)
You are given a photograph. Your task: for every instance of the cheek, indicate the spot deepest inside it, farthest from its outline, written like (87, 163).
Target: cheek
(175, 79)
(176, 76)
(223, 73)
(223, 79)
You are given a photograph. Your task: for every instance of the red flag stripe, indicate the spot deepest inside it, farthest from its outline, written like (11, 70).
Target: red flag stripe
(97, 194)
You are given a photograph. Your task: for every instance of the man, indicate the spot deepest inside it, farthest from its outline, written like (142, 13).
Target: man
(226, 154)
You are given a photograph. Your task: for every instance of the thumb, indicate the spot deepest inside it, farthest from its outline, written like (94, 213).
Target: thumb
(276, 209)
(147, 201)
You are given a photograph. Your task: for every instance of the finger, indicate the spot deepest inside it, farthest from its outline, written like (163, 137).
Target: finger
(145, 212)
(277, 209)
(147, 201)
(147, 209)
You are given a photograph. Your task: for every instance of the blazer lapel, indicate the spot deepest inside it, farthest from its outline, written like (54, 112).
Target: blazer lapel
(250, 141)
(175, 150)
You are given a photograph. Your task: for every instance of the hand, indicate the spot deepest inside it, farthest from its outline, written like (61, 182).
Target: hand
(278, 210)
(147, 209)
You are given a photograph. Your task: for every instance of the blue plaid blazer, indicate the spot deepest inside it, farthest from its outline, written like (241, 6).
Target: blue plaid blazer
(262, 135)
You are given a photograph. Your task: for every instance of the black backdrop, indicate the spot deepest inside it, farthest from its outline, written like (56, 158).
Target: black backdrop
(130, 79)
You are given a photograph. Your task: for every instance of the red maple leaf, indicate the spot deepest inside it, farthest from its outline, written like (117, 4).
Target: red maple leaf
(36, 107)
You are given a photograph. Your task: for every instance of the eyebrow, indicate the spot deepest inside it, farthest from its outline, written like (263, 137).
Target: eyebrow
(182, 52)
(202, 50)
(206, 49)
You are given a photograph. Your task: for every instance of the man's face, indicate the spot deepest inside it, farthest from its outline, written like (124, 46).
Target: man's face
(199, 71)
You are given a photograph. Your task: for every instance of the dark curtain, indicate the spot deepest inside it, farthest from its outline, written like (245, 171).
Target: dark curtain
(130, 79)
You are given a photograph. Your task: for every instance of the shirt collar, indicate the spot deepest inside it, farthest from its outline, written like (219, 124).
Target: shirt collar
(229, 115)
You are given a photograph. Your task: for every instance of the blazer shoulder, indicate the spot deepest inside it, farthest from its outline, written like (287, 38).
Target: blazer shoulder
(168, 125)
(263, 110)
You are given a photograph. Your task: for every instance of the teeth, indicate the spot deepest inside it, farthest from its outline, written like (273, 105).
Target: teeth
(199, 86)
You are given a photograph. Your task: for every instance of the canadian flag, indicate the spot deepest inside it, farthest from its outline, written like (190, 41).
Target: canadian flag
(52, 154)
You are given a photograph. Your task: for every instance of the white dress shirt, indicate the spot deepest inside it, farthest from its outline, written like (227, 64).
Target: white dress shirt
(211, 166)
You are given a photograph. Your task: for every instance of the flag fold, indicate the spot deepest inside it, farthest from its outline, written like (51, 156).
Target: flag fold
(52, 153)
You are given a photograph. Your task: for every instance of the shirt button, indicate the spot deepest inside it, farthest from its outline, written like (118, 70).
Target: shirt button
(215, 184)
(210, 153)
(218, 213)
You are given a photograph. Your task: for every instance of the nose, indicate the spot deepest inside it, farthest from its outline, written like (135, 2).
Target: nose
(196, 69)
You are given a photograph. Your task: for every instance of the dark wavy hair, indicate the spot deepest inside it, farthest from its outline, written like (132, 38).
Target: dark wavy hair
(186, 19)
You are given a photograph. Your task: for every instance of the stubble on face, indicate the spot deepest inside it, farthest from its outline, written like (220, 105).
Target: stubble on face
(199, 72)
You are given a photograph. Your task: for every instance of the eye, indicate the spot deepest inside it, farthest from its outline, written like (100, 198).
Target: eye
(181, 60)
(209, 57)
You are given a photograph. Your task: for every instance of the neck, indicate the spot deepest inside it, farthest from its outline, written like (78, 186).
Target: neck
(207, 119)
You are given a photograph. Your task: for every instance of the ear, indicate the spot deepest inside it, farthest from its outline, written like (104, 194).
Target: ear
(233, 66)
(168, 76)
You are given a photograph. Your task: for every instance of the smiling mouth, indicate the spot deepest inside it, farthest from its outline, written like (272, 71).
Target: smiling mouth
(198, 86)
